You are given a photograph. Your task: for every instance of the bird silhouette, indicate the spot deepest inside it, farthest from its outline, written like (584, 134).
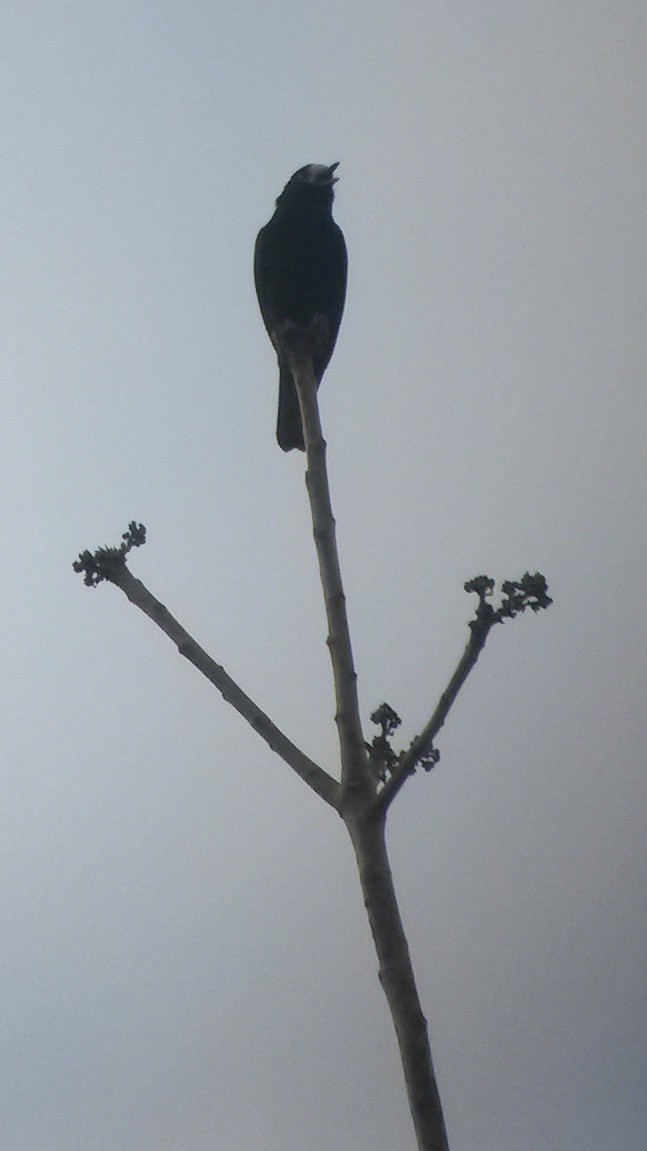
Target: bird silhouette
(300, 269)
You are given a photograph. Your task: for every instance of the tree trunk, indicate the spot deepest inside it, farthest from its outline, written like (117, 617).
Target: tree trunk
(397, 978)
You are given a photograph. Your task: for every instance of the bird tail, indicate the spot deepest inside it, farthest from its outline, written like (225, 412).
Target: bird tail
(289, 432)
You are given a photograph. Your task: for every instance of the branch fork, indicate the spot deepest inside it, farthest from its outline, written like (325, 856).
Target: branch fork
(372, 774)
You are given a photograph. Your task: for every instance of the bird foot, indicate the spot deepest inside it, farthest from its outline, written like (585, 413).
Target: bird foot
(302, 340)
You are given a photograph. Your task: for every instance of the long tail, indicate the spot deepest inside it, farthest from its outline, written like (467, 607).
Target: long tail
(289, 432)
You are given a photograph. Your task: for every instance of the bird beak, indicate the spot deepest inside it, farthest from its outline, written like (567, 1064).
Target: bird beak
(330, 179)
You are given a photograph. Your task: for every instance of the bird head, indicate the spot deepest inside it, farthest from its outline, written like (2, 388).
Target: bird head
(312, 178)
(317, 174)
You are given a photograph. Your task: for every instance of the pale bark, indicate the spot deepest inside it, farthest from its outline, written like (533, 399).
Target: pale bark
(354, 764)
(309, 771)
(396, 976)
(364, 822)
(424, 742)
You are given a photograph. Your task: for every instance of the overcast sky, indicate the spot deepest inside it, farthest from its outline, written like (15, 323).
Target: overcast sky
(185, 963)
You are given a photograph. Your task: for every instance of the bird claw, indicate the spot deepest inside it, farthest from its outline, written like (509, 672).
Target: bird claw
(309, 340)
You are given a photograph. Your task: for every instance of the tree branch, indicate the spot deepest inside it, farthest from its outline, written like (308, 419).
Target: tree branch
(298, 345)
(110, 564)
(398, 981)
(529, 592)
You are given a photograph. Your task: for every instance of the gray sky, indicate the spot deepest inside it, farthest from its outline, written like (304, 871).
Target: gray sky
(185, 961)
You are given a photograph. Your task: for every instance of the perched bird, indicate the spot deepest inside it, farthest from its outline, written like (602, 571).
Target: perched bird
(300, 269)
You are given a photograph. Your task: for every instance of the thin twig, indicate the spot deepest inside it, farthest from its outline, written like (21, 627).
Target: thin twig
(110, 564)
(530, 592)
(424, 742)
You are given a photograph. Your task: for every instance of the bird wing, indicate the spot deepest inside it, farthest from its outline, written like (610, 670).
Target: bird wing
(262, 283)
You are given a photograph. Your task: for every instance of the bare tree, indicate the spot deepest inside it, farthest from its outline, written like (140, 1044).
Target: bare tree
(371, 774)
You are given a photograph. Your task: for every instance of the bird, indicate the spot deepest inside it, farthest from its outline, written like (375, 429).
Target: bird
(300, 272)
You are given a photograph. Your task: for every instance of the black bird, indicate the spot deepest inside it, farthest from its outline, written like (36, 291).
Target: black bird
(300, 269)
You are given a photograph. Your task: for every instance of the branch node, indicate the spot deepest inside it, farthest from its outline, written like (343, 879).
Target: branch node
(106, 562)
(531, 591)
(381, 756)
